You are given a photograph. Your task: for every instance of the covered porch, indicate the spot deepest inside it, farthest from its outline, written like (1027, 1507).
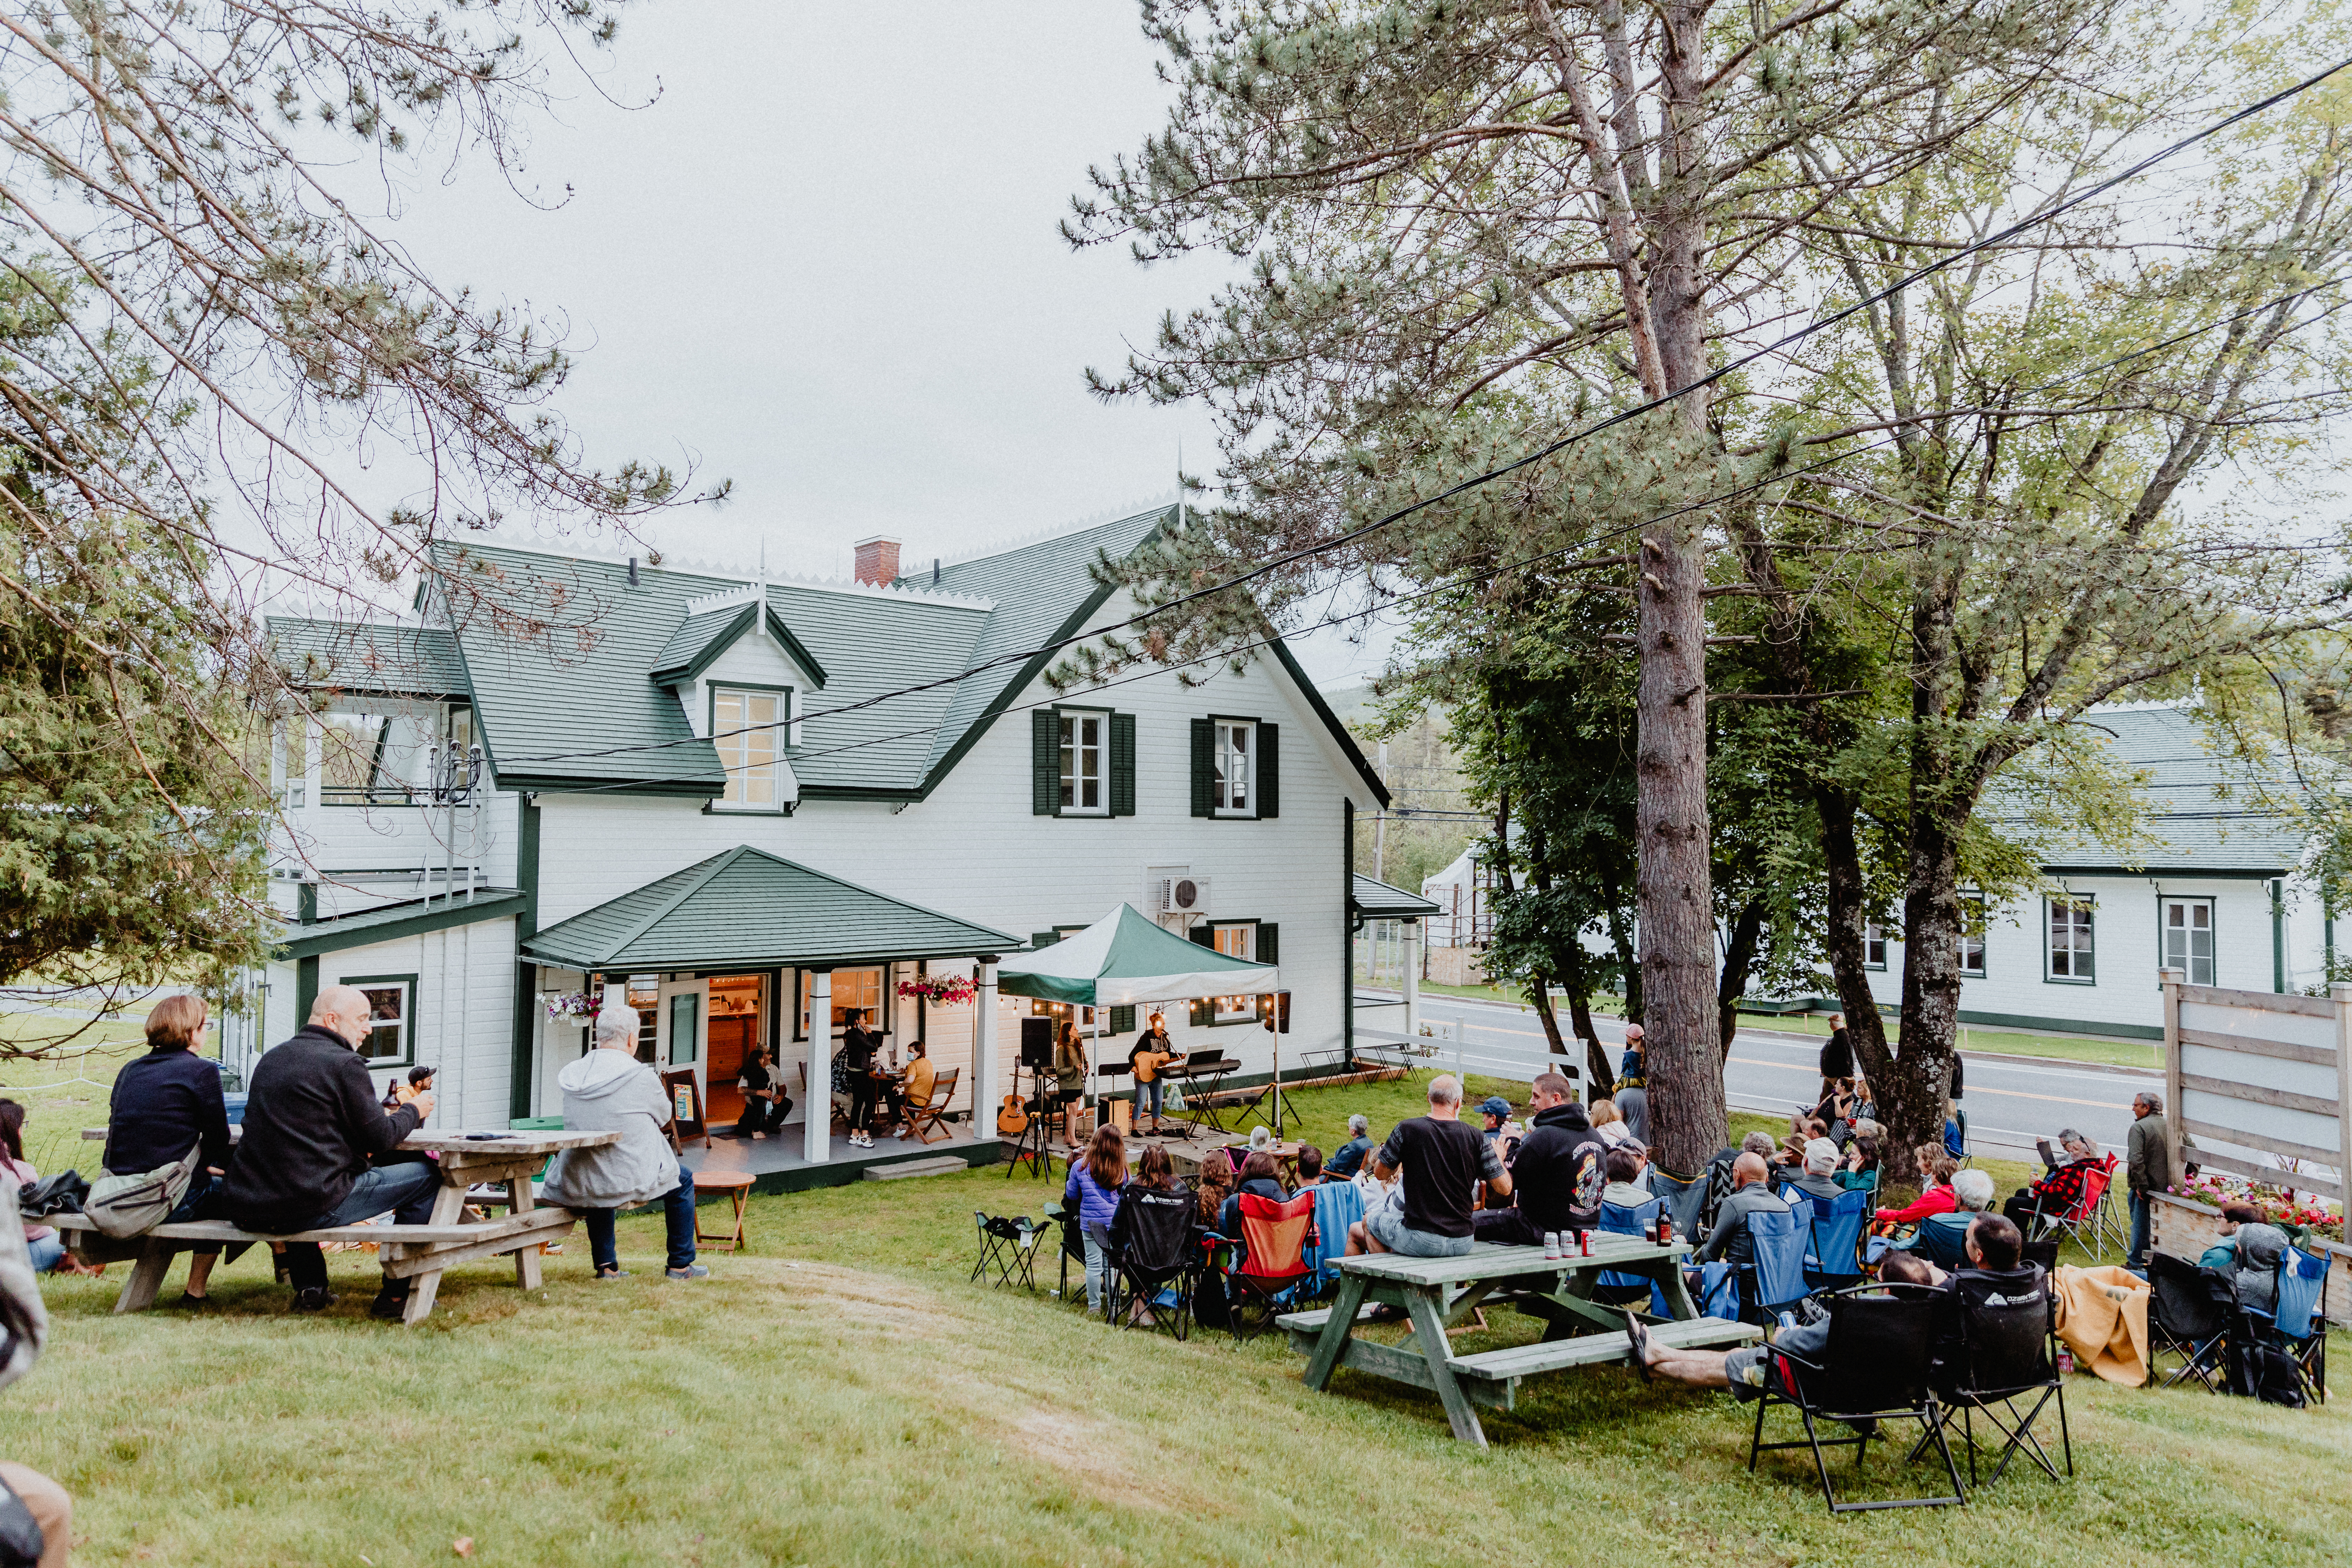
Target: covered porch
(748, 952)
(1388, 926)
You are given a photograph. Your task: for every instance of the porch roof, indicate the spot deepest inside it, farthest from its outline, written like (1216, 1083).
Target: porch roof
(1382, 902)
(746, 906)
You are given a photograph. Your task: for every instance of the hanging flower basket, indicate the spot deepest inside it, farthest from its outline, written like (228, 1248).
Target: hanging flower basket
(940, 990)
(571, 1007)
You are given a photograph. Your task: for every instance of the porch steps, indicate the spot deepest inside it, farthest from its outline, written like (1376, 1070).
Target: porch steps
(946, 1164)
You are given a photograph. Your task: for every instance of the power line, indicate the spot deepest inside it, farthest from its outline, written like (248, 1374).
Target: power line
(1597, 427)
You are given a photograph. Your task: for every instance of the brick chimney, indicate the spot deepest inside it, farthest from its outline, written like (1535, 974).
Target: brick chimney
(877, 560)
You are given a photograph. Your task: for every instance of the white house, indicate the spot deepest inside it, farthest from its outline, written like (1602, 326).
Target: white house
(748, 806)
(2216, 892)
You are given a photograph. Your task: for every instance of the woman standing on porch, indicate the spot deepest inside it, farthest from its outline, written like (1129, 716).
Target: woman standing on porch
(858, 1044)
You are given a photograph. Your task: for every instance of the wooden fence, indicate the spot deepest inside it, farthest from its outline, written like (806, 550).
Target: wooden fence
(2263, 1073)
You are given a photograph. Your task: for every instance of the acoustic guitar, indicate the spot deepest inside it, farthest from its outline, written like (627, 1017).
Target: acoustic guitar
(1013, 1120)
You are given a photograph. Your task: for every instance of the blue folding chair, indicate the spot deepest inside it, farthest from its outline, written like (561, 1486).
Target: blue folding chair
(1833, 1247)
(1718, 1290)
(2302, 1286)
(1615, 1285)
(1338, 1205)
(1775, 1278)
(1943, 1240)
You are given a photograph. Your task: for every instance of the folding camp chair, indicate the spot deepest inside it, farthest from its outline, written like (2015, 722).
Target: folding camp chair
(1774, 1279)
(1008, 1248)
(1269, 1263)
(1942, 1240)
(2191, 1311)
(2007, 1352)
(1873, 1368)
(1156, 1267)
(1616, 1287)
(2079, 1220)
(1833, 1238)
(2302, 1287)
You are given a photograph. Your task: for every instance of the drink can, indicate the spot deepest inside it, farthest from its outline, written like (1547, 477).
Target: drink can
(1584, 1242)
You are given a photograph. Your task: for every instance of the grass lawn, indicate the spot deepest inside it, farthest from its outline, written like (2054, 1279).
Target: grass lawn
(841, 1394)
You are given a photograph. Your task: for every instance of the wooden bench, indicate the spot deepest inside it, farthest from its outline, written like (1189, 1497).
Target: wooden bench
(418, 1252)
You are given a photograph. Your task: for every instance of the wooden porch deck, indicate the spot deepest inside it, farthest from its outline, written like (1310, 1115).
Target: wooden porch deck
(778, 1162)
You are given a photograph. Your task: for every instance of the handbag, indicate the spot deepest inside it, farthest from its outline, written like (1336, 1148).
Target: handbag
(129, 1206)
(21, 1540)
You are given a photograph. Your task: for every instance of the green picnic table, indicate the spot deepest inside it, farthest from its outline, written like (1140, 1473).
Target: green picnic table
(1438, 1292)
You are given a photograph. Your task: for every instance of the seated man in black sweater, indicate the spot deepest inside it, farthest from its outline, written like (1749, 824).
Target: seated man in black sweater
(311, 1120)
(1556, 1175)
(164, 1104)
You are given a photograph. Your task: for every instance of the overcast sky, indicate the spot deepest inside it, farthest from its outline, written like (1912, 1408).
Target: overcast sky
(822, 262)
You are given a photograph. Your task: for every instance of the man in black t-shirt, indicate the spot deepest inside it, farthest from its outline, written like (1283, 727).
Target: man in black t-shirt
(1442, 1161)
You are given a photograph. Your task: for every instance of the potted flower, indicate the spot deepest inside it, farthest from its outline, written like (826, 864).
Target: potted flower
(940, 990)
(572, 1007)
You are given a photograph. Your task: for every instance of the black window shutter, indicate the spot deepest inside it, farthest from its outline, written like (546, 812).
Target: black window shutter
(1197, 1012)
(1269, 770)
(1045, 769)
(1205, 935)
(1122, 1020)
(1204, 766)
(1269, 946)
(1122, 764)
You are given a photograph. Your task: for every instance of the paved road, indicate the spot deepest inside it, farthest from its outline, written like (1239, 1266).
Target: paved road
(2009, 1103)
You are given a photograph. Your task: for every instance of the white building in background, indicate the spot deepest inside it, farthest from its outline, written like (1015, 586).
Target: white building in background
(750, 806)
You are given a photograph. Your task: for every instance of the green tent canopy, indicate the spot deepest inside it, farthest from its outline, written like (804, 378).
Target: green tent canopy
(1123, 960)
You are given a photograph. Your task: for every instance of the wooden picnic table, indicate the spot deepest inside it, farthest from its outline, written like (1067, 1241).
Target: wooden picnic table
(1438, 1292)
(419, 1253)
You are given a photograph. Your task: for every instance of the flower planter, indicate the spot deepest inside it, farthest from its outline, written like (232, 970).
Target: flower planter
(2185, 1228)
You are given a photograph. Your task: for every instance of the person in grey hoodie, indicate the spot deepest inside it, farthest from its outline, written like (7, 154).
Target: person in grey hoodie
(609, 1090)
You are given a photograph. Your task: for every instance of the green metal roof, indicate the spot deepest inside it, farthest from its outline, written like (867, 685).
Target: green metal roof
(702, 637)
(366, 658)
(1380, 902)
(747, 906)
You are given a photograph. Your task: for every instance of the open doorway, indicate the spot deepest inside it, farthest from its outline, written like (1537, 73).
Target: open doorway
(738, 1027)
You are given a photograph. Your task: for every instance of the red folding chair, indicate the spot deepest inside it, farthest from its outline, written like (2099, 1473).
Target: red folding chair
(1272, 1261)
(2080, 1221)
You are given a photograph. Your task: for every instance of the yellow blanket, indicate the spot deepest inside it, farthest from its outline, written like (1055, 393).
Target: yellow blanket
(2103, 1318)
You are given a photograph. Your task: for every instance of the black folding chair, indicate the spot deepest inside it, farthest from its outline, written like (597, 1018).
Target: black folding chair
(1073, 1246)
(1158, 1268)
(1008, 1248)
(1876, 1367)
(2191, 1311)
(2005, 1351)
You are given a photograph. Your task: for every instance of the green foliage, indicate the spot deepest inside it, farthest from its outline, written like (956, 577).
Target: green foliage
(134, 839)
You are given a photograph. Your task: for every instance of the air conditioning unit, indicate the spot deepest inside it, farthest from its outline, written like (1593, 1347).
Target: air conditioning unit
(1184, 896)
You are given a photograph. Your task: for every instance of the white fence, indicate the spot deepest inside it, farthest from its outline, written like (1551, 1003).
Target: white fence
(2249, 1074)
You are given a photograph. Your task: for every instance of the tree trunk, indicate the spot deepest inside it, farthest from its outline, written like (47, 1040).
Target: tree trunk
(1931, 984)
(1738, 959)
(1674, 896)
(1629, 963)
(1601, 1082)
(1863, 1025)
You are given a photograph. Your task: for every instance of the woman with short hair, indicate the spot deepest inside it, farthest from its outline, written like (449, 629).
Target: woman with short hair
(1610, 1123)
(164, 1104)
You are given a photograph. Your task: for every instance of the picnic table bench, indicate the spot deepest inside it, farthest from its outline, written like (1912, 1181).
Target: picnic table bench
(1438, 1292)
(418, 1252)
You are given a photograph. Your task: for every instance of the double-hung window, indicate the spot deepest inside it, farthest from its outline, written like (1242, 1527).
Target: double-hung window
(1235, 942)
(391, 1000)
(2189, 938)
(746, 726)
(2071, 951)
(1084, 753)
(1874, 945)
(1233, 761)
(1972, 935)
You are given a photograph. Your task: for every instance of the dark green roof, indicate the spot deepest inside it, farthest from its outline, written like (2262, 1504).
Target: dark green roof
(702, 637)
(341, 655)
(1380, 902)
(747, 906)
(387, 923)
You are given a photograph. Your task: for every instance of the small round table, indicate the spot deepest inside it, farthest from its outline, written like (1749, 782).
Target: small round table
(736, 1184)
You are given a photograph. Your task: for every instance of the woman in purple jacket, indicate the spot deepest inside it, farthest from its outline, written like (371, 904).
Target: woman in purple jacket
(1093, 1191)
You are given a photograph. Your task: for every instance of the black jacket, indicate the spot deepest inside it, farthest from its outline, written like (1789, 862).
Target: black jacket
(310, 1122)
(1837, 1057)
(1561, 1167)
(164, 1103)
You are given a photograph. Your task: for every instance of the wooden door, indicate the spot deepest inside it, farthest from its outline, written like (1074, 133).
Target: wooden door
(730, 1037)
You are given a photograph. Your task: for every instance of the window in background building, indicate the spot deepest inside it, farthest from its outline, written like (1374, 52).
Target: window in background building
(1874, 945)
(2072, 957)
(2189, 938)
(391, 1009)
(1972, 935)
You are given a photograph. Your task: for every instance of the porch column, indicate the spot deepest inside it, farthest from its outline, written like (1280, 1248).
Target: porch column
(1412, 979)
(983, 1047)
(817, 1132)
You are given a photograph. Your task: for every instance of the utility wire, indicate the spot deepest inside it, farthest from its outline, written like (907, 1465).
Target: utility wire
(1610, 422)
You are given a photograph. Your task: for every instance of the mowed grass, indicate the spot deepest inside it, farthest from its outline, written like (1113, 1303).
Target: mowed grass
(842, 1395)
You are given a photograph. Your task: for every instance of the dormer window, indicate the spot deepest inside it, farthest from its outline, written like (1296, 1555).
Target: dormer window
(747, 725)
